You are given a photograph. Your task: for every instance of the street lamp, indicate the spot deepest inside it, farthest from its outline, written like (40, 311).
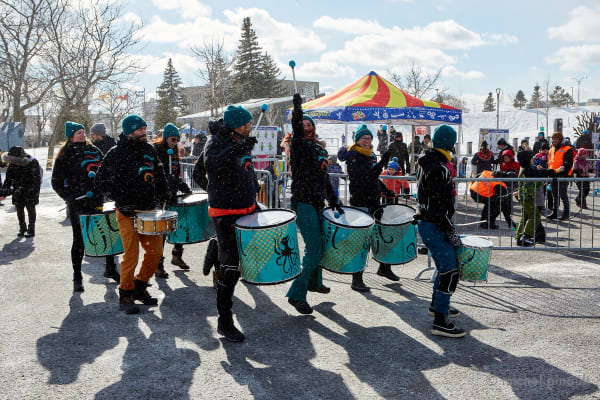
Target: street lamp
(498, 90)
(578, 80)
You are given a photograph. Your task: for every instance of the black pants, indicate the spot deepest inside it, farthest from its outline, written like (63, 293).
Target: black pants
(78, 248)
(492, 207)
(229, 259)
(177, 248)
(584, 190)
(559, 193)
(31, 214)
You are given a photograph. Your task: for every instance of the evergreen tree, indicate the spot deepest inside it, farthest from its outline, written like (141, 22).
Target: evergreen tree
(171, 101)
(559, 97)
(255, 73)
(536, 97)
(520, 100)
(489, 105)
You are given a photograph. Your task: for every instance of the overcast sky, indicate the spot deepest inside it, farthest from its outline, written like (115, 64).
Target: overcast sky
(478, 45)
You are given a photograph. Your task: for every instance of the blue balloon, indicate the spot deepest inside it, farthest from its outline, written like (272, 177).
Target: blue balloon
(264, 107)
(89, 194)
(292, 63)
(91, 174)
(170, 152)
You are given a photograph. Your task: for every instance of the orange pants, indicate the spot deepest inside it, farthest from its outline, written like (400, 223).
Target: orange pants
(153, 248)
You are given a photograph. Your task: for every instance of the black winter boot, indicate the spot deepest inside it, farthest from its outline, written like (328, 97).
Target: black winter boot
(127, 302)
(225, 325)
(176, 259)
(212, 257)
(30, 231)
(441, 327)
(358, 284)
(110, 270)
(77, 282)
(385, 270)
(141, 294)
(160, 270)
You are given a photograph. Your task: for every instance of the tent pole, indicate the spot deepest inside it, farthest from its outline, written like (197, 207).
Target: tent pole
(412, 161)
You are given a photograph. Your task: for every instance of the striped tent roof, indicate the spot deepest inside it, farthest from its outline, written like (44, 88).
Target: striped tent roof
(374, 99)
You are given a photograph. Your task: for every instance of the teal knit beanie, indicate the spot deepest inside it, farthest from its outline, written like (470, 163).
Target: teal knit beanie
(236, 116)
(309, 119)
(131, 123)
(444, 137)
(170, 130)
(71, 128)
(362, 130)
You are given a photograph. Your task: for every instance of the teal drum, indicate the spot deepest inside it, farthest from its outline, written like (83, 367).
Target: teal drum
(346, 240)
(473, 258)
(193, 223)
(268, 246)
(101, 236)
(394, 238)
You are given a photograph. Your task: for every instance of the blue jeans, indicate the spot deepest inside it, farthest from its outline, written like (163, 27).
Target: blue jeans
(309, 223)
(444, 256)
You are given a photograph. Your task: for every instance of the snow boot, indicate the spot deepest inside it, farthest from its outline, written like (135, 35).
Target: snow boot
(385, 270)
(441, 327)
(127, 302)
(358, 284)
(140, 293)
(160, 270)
(30, 231)
(176, 257)
(110, 270)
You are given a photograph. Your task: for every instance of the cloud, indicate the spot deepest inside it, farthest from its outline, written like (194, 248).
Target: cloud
(576, 58)
(132, 18)
(582, 26)
(323, 69)
(183, 63)
(278, 38)
(451, 72)
(188, 9)
(347, 25)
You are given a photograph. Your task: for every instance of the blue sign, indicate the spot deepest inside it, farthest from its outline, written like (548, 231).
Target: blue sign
(597, 119)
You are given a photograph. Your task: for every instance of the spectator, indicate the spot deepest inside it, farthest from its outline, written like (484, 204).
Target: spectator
(508, 162)
(483, 159)
(399, 150)
(561, 155)
(199, 142)
(427, 142)
(502, 145)
(382, 138)
(581, 169)
(334, 168)
(524, 146)
(462, 168)
(396, 187)
(584, 141)
(539, 141)
(99, 138)
(494, 197)
(417, 147)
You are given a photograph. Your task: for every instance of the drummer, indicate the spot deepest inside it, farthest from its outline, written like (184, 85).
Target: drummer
(169, 140)
(133, 176)
(232, 190)
(73, 176)
(310, 187)
(365, 187)
(435, 191)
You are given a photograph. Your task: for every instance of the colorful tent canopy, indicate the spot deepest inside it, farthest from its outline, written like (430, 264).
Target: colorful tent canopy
(374, 99)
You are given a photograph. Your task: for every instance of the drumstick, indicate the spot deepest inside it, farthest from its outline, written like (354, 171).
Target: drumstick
(293, 65)
(88, 194)
(263, 109)
(170, 153)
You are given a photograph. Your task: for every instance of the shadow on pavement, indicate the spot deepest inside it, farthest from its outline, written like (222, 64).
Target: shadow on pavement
(18, 249)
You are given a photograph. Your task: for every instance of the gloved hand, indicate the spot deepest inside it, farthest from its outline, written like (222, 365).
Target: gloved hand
(454, 238)
(338, 207)
(297, 113)
(389, 193)
(385, 158)
(250, 141)
(172, 181)
(127, 211)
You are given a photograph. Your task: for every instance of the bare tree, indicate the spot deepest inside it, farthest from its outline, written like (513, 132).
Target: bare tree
(24, 44)
(89, 48)
(216, 74)
(415, 81)
(45, 111)
(117, 102)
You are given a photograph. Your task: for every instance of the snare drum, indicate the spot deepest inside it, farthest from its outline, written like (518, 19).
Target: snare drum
(346, 240)
(268, 246)
(394, 237)
(473, 258)
(155, 222)
(193, 223)
(101, 236)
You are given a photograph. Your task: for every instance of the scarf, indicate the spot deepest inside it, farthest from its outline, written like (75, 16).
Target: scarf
(360, 150)
(445, 153)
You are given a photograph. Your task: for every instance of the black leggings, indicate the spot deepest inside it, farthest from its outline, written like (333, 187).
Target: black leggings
(21, 215)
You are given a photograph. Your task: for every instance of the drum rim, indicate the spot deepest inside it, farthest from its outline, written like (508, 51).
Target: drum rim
(183, 196)
(378, 221)
(491, 244)
(246, 228)
(174, 216)
(348, 226)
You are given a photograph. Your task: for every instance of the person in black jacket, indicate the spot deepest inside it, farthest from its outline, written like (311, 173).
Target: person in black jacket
(539, 141)
(199, 143)
(22, 181)
(99, 138)
(232, 190)
(399, 150)
(169, 140)
(73, 176)
(310, 187)
(435, 195)
(133, 176)
(365, 187)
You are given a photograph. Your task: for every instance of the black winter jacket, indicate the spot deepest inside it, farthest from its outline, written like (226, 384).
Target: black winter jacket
(363, 172)
(435, 191)
(105, 144)
(308, 160)
(70, 175)
(400, 151)
(174, 179)
(199, 174)
(23, 178)
(231, 181)
(132, 175)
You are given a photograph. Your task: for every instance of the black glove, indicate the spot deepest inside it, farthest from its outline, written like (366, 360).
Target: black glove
(249, 142)
(338, 207)
(385, 158)
(453, 238)
(389, 193)
(297, 113)
(127, 211)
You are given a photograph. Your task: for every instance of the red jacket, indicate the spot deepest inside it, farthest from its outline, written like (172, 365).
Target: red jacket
(395, 185)
(512, 165)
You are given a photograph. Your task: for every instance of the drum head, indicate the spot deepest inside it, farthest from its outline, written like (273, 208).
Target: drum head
(191, 199)
(352, 217)
(156, 215)
(265, 219)
(475, 241)
(394, 215)
(108, 206)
